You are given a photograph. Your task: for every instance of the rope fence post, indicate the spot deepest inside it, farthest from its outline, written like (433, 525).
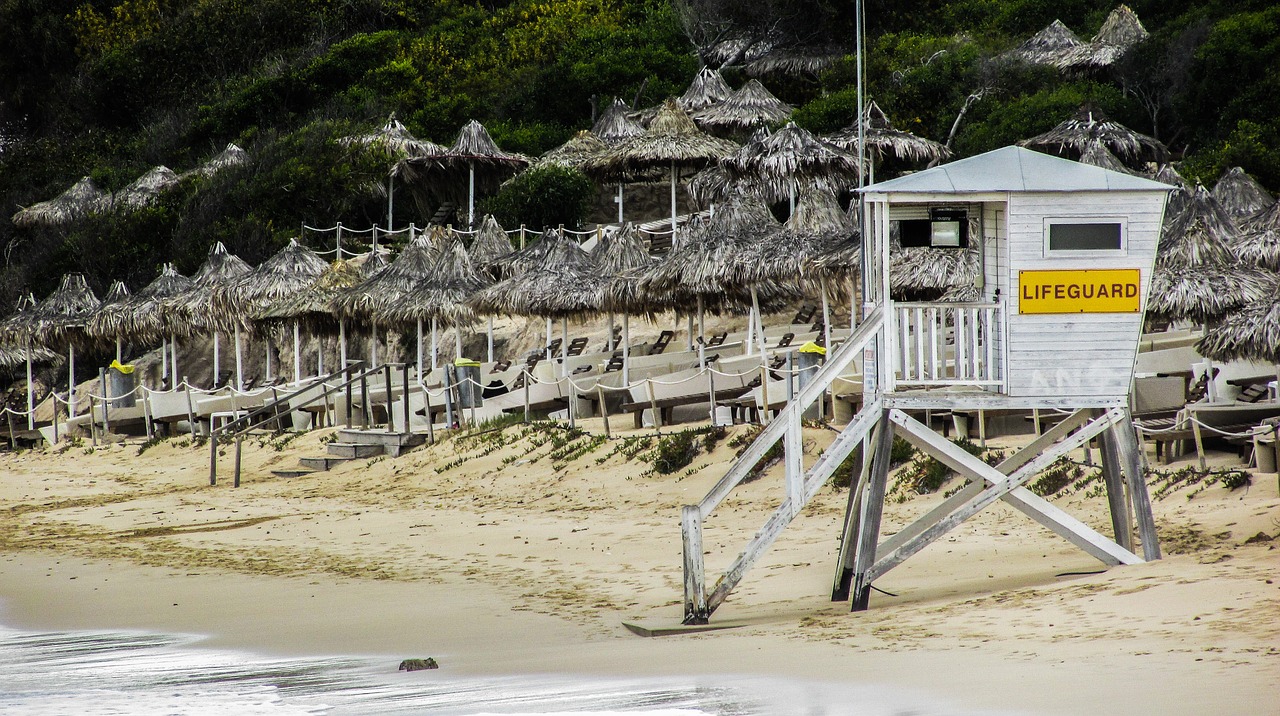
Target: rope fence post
(213, 454)
(191, 413)
(93, 424)
(431, 421)
(653, 405)
(604, 410)
(239, 440)
(146, 414)
(13, 443)
(386, 378)
(405, 394)
(106, 402)
(527, 378)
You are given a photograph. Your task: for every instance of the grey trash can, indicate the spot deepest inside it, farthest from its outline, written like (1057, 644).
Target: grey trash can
(121, 380)
(470, 392)
(807, 360)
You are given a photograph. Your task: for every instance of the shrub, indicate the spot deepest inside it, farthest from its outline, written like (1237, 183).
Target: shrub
(675, 452)
(545, 196)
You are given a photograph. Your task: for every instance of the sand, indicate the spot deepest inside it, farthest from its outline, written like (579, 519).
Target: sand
(497, 555)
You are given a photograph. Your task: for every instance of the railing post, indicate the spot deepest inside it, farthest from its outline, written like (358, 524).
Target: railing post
(793, 454)
(405, 394)
(239, 439)
(695, 592)
(527, 377)
(365, 416)
(346, 372)
(387, 379)
(213, 454)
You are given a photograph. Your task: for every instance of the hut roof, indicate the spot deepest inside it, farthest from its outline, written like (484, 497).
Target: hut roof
(1166, 174)
(139, 317)
(1072, 136)
(672, 138)
(750, 105)
(818, 225)
(920, 270)
(707, 88)
(790, 159)
(1250, 332)
(11, 355)
(520, 260)
(565, 283)
(374, 297)
(491, 244)
(795, 61)
(574, 153)
(1119, 33)
(725, 50)
(291, 269)
(394, 141)
(144, 190)
(312, 306)
(474, 145)
(616, 124)
(81, 198)
(1180, 197)
(1259, 241)
(15, 326)
(882, 139)
(1240, 195)
(374, 261)
(1204, 292)
(1201, 235)
(443, 293)
(232, 156)
(190, 311)
(703, 259)
(64, 311)
(621, 250)
(1096, 154)
(1049, 46)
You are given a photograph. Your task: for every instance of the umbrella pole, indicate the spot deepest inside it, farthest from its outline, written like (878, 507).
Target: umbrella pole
(297, 354)
(620, 220)
(173, 353)
(390, 201)
(626, 349)
(319, 356)
(373, 347)
(690, 330)
(164, 359)
(749, 344)
(435, 346)
(755, 308)
(31, 393)
(71, 379)
(490, 338)
(826, 314)
(120, 351)
(673, 203)
(471, 195)
(239, 362)
(564, 345)
(217, 357)
(610, 343)
(702, 336)
(268, 350)
(342, 343)
(419, 349)
(791, 194)
(550, 333)
(457, 338)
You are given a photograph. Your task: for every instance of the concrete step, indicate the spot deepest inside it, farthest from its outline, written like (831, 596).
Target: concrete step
(353, 450)
(293, 472)
(392, 443)
(320, 464)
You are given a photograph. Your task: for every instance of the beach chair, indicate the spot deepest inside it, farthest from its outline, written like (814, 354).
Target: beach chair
(785, 340)
(576, 346)
(805, 314)
(552, 348)
(613, 341)
(717, 339)
(615, 362)
(500, 366)
(660, 345)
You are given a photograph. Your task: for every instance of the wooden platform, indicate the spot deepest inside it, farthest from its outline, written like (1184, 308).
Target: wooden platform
(667, 629)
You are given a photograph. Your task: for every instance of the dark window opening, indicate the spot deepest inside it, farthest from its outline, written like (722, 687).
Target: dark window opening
(1085, 237)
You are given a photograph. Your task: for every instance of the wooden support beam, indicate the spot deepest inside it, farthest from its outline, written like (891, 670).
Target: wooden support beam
(1117, 500)
(872, 508)
(1127, 443)
(695, 599)
(849, 532)
(793, 455)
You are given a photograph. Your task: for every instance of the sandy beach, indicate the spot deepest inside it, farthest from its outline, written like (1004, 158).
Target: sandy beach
(496, 555)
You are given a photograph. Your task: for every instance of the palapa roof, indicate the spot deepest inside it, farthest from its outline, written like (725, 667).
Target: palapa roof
(191, 311)
(1202, 234)
(290, 270)
(1119, 33)
(726, 49)
(475, 146)
(374, 261)
(621, 250)
(312, 306)
(818, 226)
(1204, 292)
(1097, 154)
(144, 190)
(790, 160)
(395, 141)
(80, 199)
(1240, 195)
(702, 261)
(882, 139)
(1050, 46)
(707, 88)
(616, 124)
(491, 244)
(232, 156)
(443, 293)
(1180, 197)
(672, 138)
(1250, 332)
(924, 272)
(795, 61)
(566, 283)
(750, 105)
(15, 327)
(11, 355)
(139, 317)
(374, 297)
(63, 312)
(1259, 240)
(574, 153)
(1072, 136)
(518, 261)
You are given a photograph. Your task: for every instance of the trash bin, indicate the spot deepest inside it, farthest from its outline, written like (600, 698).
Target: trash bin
(470, 392)
(807, 359)
(121, 382)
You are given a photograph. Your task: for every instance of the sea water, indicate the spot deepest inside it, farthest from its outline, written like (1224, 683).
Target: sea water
(141, 674)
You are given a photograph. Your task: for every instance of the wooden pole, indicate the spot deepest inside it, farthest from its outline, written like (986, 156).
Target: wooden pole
(239, 440)
(420, 354)
(405, 395)
(653, 406)
(146, 414)
(1127, 443)
(435, 346)
(297, 354)
(71, 379)
(386, 379)
(604, 410)
(626, 350)
(31, 391)
(13, 442)
(191, 413)
(55, 423)
(93, 423)
(489, 330)
(852, 513)
(869, 515)
(217, 359)
(695, 597)
(342, 346)
(527, 377)
(173, 353)
(1113, 478)
(213, 454)
(106, 402)
(239, 360)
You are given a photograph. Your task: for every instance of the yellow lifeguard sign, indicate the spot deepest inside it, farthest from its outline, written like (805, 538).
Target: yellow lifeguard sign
(1080, 291)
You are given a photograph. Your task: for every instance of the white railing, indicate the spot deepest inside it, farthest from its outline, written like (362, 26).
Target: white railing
(941, 344)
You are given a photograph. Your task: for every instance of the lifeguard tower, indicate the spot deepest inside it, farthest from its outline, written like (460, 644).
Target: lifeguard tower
(1066, 253)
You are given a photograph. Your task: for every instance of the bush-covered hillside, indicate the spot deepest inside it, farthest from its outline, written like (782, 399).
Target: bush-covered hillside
(109, 88)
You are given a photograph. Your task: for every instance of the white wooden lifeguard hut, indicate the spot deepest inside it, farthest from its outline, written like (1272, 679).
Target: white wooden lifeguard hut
(1066, 253)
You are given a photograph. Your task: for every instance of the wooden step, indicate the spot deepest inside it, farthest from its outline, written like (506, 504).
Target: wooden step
(320, 464)
(354, 450)
(392, 443)
(293, 472)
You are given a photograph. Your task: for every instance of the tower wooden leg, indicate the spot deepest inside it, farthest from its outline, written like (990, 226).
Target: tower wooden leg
(1127, 443)
(1113, 476)
(869, 515)
(844, 560)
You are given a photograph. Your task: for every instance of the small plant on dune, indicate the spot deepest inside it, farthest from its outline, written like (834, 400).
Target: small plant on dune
(675, 452)
(150, 443)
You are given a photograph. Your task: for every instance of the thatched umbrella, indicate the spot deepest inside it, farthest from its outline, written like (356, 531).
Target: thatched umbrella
(60, 318)
(789, 160)
(144, 190)
(1259, 240)
(1241, 195)
(881, 139)
(750, 105)
(15, 328)
(394, 141)
(575, 152)
(622, 253)
(441, 296)
(1096, 154)
(491, 245)
(616, 125)
(1072, 136)
(232, 156)
(672, 140)
(1120, 32)
(1180, 197)
(374, 298)
(191, 311)
(1251, 332)
(140, 317)
(795, 61)
(1050, 46)
(475, 149)
(292, 269)
(80, 199)
(15, 355)
(116, 296)
(707, 89)
(917, 271)
(520, 260)
(312, 307)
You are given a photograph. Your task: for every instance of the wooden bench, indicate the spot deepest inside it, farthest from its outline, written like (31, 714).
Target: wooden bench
(666, 406)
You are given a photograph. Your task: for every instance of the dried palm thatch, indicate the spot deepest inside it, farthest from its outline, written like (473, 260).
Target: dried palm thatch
(621, 251)
(1072, 137)
(574, 153)
(290, 270)
(312, 306)
(62, 315)
(882, 140)
(703, 261)
(791, 160)
(1240, 195)
(82, 198)
(707, 88)
(712, 186)
(1250, 332)
(15, 326)
(517, 262)
(818, 226)
(232, 156)
(373, 262)
(144, 191)
(474, 147)
(374, 297)
(731, 51)
(1205, 292)
(139, 317)
(616, 125)
(565, 284)
(1201, 235)
(672, 140)
(1096, 154)
(926, 273)
(795, 61)
(443, 293)
(1050, 46)
(189, 312)
(750, 105)
(1120, 32)
(1259, 240)
(394, 141)
(491, 244)
(1180, 197)
(11, 355)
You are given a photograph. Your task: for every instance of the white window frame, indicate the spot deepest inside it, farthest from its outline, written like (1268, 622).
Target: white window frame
(1123, 221)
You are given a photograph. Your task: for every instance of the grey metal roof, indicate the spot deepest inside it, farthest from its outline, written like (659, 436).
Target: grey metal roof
(1014, 169)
